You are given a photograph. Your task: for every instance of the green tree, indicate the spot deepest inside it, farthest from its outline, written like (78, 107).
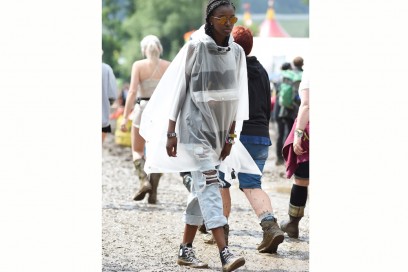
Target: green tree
(168, 20)
(126, 22)
(113, 34)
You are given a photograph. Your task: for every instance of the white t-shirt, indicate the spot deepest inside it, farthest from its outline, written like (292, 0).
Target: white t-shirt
(304, 84)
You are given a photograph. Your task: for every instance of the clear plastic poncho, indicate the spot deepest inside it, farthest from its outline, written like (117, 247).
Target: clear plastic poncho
(204, 90)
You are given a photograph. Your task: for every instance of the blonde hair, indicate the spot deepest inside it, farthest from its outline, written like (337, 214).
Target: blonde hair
(151, 46)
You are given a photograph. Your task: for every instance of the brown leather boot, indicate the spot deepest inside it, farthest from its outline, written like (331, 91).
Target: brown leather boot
(154, 181)
(226, 233)
(272, 236)
(202, 229)
(208, 238)
(291, 226)
(145, 186)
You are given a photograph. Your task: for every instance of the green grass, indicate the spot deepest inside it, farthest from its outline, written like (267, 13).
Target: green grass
(296, 28)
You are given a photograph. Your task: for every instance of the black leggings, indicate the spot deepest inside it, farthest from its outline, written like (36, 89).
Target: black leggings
(302, 172)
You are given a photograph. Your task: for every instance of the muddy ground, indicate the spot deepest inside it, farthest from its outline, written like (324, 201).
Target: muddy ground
(137, 236)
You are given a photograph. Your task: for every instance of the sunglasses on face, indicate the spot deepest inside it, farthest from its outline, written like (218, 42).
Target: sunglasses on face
(223, 20)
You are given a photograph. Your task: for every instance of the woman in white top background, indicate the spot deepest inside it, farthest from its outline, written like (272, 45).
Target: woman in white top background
(145, 76)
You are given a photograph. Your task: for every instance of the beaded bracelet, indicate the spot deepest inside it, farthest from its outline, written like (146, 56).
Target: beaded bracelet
(229, 140)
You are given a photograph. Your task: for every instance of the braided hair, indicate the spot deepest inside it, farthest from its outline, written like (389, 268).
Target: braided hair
(211, 6)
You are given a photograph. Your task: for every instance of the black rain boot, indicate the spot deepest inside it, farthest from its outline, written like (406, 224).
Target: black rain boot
(154, 181)
(291, 226)
(272, 236)
(145, 186)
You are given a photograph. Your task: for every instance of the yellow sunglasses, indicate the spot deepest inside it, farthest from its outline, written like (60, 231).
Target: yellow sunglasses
(223, 20)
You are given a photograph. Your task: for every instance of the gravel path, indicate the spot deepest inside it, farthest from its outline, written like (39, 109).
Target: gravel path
(137, 236)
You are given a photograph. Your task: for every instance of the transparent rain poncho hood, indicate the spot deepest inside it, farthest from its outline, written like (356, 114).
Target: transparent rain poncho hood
(204, 90)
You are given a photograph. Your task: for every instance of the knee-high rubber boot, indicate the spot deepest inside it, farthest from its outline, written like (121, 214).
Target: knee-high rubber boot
(145, 186)
(272, 236)
(154, 181)
(291, 226)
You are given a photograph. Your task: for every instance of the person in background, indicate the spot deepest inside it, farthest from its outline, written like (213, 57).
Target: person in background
(145, 76)
(108, 97)
(123, 95)
(296, 155)
(120, 102)
(298, 64)
(297, 69)
(207, 89)
(283, 129)
(256, 139)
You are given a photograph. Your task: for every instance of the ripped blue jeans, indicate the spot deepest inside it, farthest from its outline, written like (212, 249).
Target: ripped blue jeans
(205, 202)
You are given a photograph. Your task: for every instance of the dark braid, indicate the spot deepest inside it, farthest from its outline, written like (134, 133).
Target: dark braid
(211, 6)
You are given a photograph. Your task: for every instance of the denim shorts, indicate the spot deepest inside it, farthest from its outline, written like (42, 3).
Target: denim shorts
(138, 110)
(259, 154)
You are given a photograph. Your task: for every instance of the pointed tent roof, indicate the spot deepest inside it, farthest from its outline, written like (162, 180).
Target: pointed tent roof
(270, 27)
(247, 15)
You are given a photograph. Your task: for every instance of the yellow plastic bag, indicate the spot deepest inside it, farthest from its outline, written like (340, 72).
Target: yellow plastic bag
(123, 138)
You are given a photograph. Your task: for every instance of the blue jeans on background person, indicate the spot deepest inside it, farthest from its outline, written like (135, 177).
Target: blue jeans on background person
(259, 154)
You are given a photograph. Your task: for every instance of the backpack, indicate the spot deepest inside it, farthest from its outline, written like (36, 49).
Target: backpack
(289, 100)
(288, 91)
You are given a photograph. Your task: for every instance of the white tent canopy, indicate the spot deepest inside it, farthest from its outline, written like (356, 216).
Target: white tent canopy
(272, 52)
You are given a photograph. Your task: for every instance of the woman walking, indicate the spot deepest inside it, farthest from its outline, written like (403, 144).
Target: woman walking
(146, 74)
(208, 97)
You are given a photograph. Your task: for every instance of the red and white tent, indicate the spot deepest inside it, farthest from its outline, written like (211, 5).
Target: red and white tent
(270, 27)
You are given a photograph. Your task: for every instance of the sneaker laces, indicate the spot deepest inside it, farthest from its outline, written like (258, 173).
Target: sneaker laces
(227, 255)
(190, 255)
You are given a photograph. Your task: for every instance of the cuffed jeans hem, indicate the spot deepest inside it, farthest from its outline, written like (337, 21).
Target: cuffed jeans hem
(216, 222)
(192, 219)
(251, 187)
